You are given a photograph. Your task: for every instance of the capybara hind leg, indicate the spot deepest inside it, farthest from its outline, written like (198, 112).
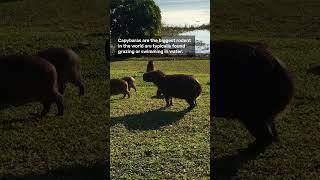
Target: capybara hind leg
(134, 87)
(81, 88)
(128, 93)
(59, 102)
(46, 108)
(124, 95)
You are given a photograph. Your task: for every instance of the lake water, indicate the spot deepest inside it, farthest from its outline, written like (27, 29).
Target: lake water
(202, 40)
(184, 12)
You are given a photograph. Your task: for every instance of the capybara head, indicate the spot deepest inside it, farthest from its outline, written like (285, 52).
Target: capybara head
(153, 76)
(150, 66)
(251, 84)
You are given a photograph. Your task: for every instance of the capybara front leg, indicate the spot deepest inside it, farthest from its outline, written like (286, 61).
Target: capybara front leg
(46, 108)
(191, 103)
(59, 102)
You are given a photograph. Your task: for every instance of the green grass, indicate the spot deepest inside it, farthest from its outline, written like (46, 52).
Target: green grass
(290, 28)
(75, 146)
(149, 142)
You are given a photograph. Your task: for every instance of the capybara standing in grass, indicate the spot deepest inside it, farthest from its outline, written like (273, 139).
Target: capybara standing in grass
(119, 86)
(67, 63)
(27, 79)
(130, 81)
(150, 66)
(249, 83)
(177, 86)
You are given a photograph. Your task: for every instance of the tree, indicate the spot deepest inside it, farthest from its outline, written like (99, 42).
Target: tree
(134, 19)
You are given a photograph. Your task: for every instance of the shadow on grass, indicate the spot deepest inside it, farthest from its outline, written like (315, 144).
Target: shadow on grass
(7, 1)
(99, 171)
(227, 167)
(151, 120)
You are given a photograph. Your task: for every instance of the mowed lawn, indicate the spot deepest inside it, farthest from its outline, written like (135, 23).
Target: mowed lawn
(291, 29)
(152, 142)
(76, 145)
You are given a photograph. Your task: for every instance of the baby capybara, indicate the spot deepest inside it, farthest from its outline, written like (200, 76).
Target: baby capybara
(67, 63)
(150, 66)
(251, 84)
(26, 79)
(119, 86)
(177, 86)
(130, 81)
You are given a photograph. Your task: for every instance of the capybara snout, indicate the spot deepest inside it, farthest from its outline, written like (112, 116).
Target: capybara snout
(119, 86)
(27, 79)
(175, 86)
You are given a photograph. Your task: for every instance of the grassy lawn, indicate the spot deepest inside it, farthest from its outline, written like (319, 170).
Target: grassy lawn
(291, 29)
(75, 146)
(149, 142)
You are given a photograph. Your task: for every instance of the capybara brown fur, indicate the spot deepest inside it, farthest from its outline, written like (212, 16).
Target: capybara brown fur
(119, 86)
(130, 80)
(26, 79)
(178, 86)
(67, 63)
(251, 84)
(150, 66)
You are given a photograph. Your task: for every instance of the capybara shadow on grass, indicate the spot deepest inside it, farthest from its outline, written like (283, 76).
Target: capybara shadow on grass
(251, 84)
(67, 64)
(175, 86)
(119, 86)
(26, 79)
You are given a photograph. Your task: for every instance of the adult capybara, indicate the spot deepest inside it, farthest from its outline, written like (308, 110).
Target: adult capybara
(130, 80)
(177, 86)
(150, 66)
(251, 84)
(27, 79)
(119, 86)
(67, 63)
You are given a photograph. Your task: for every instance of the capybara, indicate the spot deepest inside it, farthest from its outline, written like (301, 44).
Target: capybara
(119, 86)
(67, 63)
(251, 84)
(26, 79)
(130, 81)
(150, 66)
(177, 86)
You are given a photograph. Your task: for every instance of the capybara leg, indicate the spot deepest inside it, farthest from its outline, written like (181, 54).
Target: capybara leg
(191, 103)
(46, 108)
(134, 87)
(81, 88)
(260, 130)
(59, 102)
(159, 93)
(128, 93)
(62, 87)
(124, 95)
(167, 101)
(171, 104)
